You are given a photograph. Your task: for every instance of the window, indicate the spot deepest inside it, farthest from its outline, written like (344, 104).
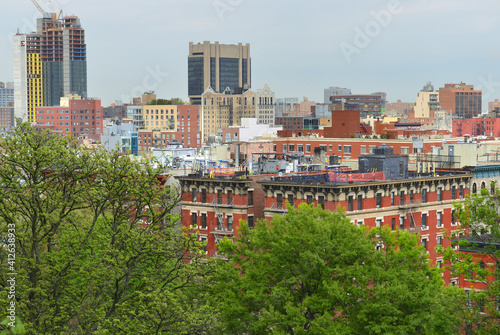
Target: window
(378, 223)
(393, 224)
(453, 192)
(453, 220)
(379, 200)
(321, 201)
(250, 222)
(330, 147)
(424, 243)
(439, 240)
(401, 198)
(194, 194)
(340, 148)
(229, 223)
(439, 198)
(219, 197)
(204, 195)
(360, 202)
(492, 188)
(347, 149)
(405, 150)
(279, 200)
(203, 241)
(204, 221)
(291, 148)
(349, 203)
(194, 220)
(309, 199)
(308, 148)
(300, 148)
(411, 196)
(393, 195)
(229, 197)
(424, 221)
(250, 198)
(290, 199)
(284, 147)
(424, 195)
(438, 219)
(401, 222)
(461, 192)
(363, 149)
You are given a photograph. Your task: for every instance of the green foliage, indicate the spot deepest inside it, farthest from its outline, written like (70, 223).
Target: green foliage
(313, 271)
(479, 217)
(7, 327)
(173, 101)
(96, 248)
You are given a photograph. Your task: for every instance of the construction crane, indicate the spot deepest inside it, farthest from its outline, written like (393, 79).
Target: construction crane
(38, 7)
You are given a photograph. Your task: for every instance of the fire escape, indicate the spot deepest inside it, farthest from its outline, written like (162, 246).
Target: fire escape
(222, 229)
(407, 209)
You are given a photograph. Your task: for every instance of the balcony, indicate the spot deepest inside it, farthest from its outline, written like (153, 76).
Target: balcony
(278, 207)
(410, 204)
(219, 202)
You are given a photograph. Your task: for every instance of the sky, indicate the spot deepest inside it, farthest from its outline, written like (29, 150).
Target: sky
(298, 48)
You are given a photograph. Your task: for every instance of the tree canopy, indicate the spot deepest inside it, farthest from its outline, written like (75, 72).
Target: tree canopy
(478, 258)
(95, 246)
(173, 101)
(313, 271)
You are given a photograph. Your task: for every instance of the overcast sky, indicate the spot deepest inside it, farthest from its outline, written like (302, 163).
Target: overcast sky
(298, 48)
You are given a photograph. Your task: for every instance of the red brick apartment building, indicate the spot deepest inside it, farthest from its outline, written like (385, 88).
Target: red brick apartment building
(80, 118)
(476, 127)
(347, 148)
(214, 206)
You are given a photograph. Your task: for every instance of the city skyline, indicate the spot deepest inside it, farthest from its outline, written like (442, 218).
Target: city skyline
(297, 49)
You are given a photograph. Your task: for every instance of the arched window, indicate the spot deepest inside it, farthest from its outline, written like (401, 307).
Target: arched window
(474, 188)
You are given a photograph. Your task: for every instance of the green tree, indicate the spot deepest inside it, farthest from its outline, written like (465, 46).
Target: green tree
(95, 246)
(478, 258)
(173, 101)
(313, 271)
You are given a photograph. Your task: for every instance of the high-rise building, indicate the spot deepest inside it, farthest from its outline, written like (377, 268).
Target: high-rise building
(64, 57)
(28, 76)
(49, 64)
(219, 66)
(461, 100)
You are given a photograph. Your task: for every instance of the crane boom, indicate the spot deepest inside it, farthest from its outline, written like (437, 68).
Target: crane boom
(38, 6)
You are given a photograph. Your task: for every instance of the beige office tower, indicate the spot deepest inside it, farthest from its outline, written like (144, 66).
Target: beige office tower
(219, 66)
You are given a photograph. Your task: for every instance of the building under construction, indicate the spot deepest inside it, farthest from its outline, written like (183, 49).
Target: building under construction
(62, 54)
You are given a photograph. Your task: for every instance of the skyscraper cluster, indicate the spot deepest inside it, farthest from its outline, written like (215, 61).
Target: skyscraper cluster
(49, 64)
